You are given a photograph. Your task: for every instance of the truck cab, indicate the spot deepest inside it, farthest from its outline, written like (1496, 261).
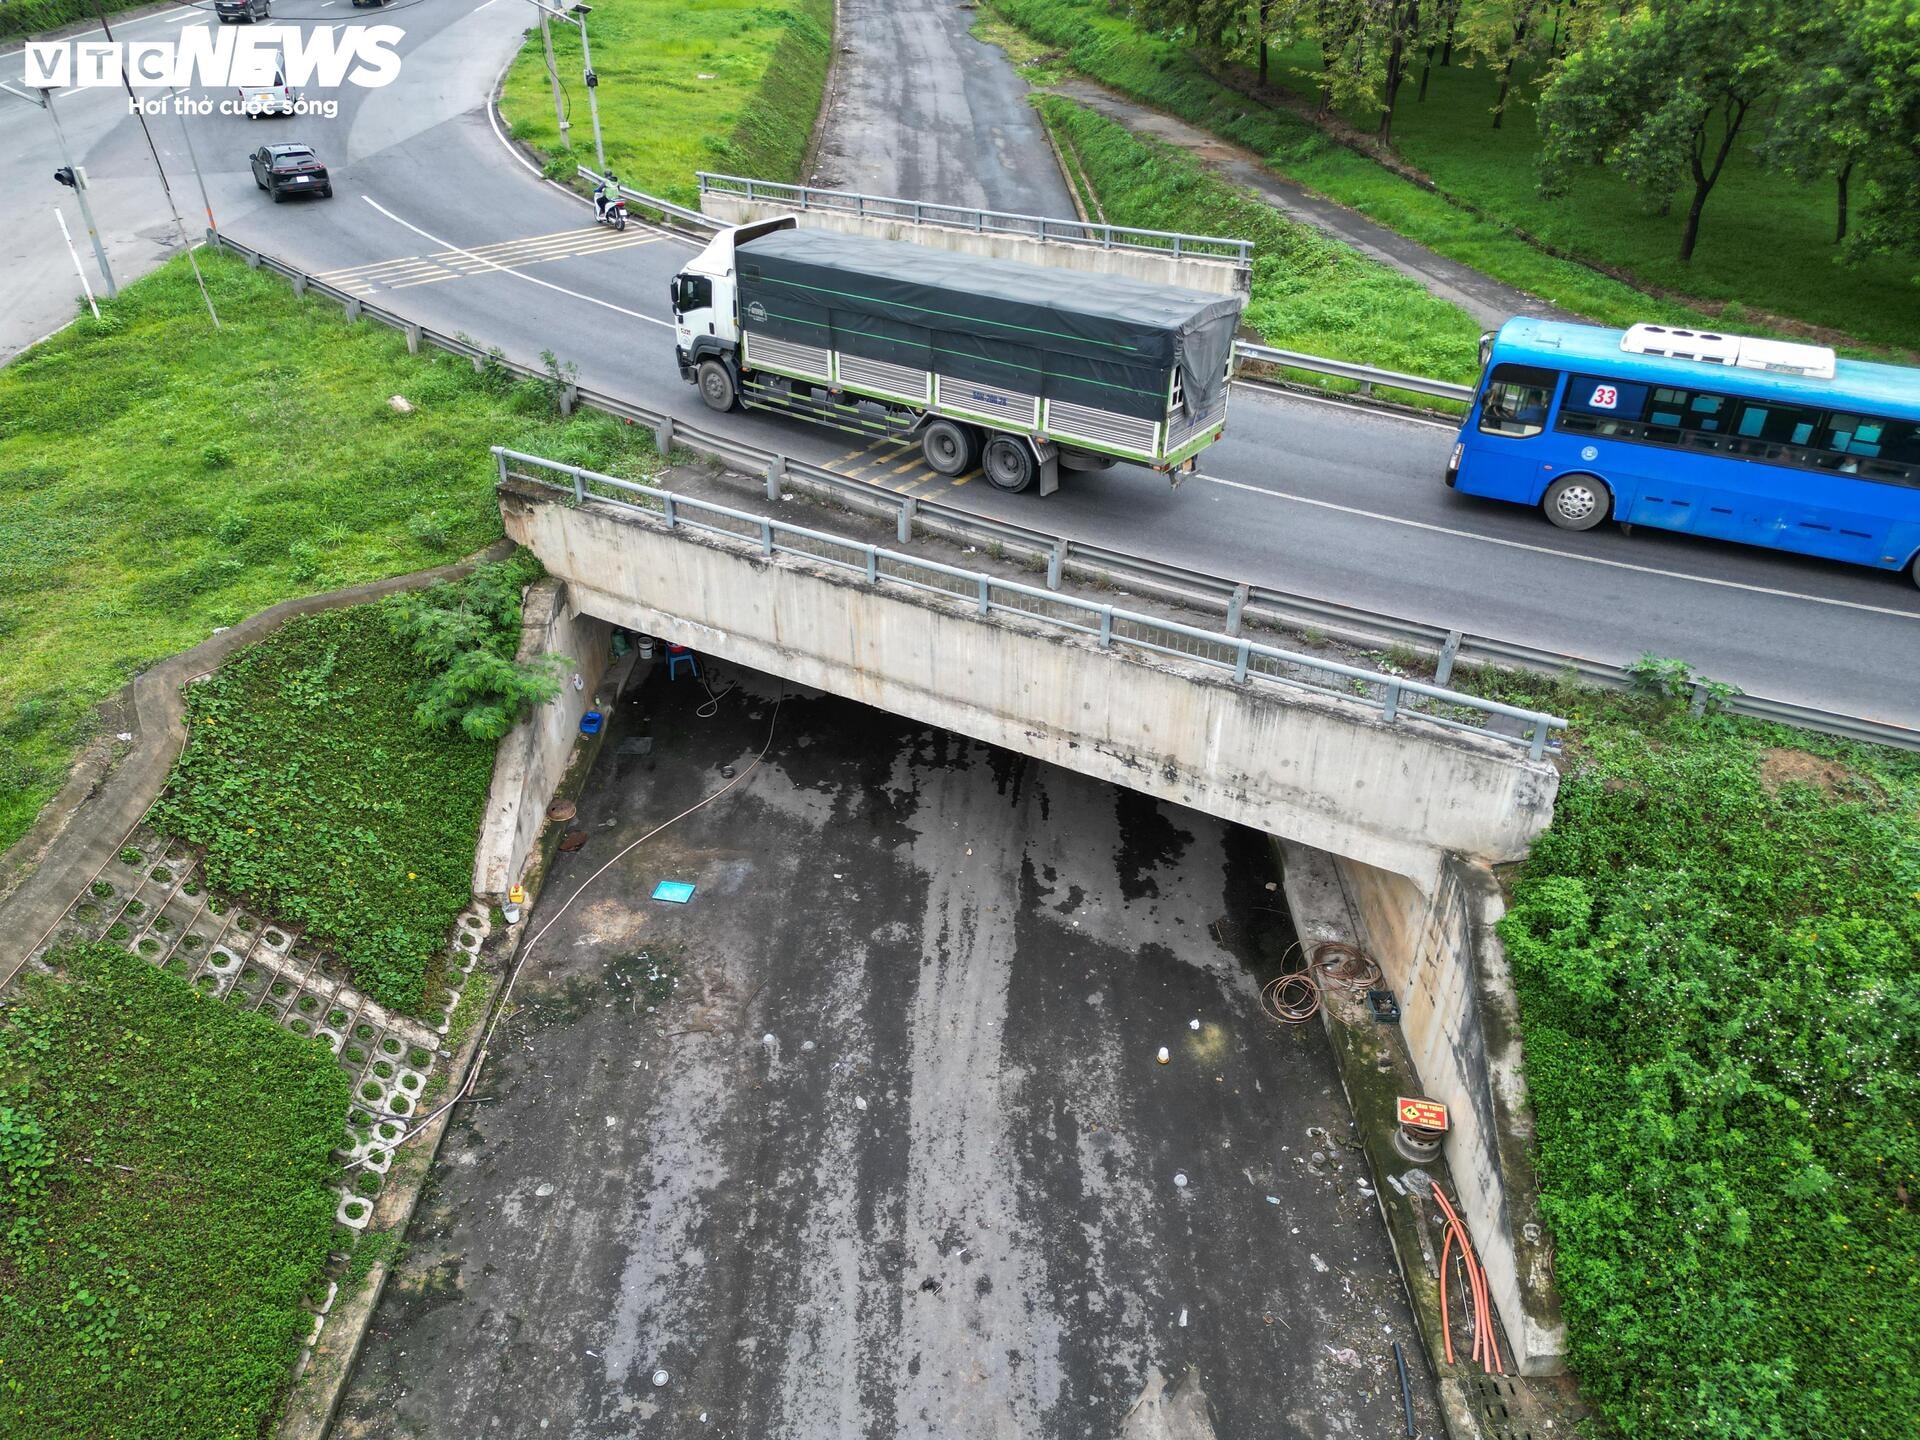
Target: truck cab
(706, 325)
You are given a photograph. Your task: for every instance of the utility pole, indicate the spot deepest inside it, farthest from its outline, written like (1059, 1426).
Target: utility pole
(575, 15)
(78, 268)
(193, 158)
(553, 75)
(133, 104)
(68, 174)
(593, 85)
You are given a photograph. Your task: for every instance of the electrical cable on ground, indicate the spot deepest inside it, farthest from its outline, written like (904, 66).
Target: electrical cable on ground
(1486, 1344)
(500, 1006)
(1295, 997)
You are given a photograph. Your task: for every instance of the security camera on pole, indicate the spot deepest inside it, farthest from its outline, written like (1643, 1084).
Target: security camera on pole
(75, 179)
(575, 15)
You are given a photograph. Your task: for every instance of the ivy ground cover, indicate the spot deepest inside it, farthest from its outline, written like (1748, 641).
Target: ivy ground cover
(323, 780)
(164, 1169)
(1717, 952)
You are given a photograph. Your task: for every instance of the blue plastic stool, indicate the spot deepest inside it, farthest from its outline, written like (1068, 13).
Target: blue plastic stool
(678, 655)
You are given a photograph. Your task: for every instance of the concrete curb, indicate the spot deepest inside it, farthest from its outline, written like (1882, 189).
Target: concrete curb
(107, 795)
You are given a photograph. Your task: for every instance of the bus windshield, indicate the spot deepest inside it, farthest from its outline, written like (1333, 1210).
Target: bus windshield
(1700, 433)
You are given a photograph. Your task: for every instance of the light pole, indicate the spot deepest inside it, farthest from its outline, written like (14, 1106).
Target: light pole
(68, 175)
(553, 75)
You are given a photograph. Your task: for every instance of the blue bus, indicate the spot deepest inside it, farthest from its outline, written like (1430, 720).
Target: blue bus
(1760, 441)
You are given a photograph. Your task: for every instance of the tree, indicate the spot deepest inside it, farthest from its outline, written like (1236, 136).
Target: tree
(1400, 20)
(1663, 95)
(1851, 106)
(1504, 32)
(1444, 17)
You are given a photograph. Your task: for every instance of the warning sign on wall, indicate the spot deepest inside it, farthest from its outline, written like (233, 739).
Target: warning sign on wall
(1427, 1114)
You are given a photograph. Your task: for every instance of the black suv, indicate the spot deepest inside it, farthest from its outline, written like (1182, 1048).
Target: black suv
(283, 170)
(252, 11)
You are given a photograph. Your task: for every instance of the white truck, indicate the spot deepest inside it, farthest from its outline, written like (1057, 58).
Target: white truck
(1021, 370)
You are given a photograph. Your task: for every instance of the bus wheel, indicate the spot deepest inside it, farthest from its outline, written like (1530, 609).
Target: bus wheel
(716, 386)
(1009, 464)
(1577, 502)
(950, 449)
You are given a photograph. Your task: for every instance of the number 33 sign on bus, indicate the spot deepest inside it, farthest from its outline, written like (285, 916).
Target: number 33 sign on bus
(1605, 397)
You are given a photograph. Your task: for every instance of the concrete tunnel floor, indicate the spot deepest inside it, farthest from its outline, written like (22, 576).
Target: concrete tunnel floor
(894, 1157)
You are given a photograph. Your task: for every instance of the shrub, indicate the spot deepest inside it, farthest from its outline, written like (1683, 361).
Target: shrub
(1716, 948)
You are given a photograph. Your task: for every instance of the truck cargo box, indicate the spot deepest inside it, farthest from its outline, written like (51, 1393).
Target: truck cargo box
(1014, 334)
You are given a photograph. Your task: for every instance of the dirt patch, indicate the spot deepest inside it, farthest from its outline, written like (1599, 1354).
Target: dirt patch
(1780, 766)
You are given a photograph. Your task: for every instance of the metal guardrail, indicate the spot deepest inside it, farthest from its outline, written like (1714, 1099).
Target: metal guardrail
(1397, 698)
(1239, 604)
(1367, 375)
(989, 222)
(666, 209)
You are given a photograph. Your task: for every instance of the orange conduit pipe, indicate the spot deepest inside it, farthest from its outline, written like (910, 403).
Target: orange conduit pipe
(1486, 1345)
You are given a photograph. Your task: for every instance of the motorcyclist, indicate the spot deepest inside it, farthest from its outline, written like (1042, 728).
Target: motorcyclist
(604, 194)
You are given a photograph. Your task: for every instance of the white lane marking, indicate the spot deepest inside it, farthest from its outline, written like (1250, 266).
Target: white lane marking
(506, 270)
(478, 8)
(1281, 392)
(1561, 554)
(182, 17)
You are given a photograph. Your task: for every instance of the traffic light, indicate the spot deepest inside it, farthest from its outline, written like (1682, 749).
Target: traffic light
(65, 176)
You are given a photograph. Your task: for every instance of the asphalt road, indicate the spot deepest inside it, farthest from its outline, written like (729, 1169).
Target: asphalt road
(922, 109)
(1315, 496)
(869, 1138)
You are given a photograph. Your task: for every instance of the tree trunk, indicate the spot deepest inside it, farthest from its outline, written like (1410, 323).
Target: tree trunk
(1404, 23)
(1266, 9)
(1704, 179)
(1840, 211)
(1500, 100)
(1446, 53)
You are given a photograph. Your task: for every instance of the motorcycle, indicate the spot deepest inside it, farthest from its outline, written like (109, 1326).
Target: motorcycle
(611, 211)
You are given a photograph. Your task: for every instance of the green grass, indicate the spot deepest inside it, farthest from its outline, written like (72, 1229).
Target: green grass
(158, 480)
(319, 795)
(164, 1164)
(1878, 303)
(36, 17)
(1716, 947)
(1309, 293)
(731, 86)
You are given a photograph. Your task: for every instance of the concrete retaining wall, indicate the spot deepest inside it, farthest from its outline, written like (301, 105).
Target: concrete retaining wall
(1305, 766)
(1212, 274)
(528, 766)
(1442, 959)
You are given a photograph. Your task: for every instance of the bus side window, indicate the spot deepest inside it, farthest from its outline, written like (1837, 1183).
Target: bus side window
(1516, 401)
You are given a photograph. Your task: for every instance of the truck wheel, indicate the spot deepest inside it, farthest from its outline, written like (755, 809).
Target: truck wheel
(716, 386)
(951, 449)
(1008, 464)
(1577, 502)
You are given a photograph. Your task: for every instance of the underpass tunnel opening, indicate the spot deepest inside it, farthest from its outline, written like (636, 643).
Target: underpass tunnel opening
(892, 1037)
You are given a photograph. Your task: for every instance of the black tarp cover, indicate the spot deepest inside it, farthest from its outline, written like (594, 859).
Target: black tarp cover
(1100, 340)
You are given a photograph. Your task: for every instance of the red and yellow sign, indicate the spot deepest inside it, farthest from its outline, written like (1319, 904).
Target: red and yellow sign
(1427, 1114)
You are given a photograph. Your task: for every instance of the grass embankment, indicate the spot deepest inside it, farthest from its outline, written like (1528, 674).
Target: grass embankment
(1717, 953)
(158, 480)
(1309, 293)
(1601, 221)
(731, 86)
(1766, 241)
(164, 1169)
(20, 18)
(321, 778)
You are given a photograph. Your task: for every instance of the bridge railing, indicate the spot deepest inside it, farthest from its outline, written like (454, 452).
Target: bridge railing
(1238, 603)
(1397, 699)
(987, 222)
